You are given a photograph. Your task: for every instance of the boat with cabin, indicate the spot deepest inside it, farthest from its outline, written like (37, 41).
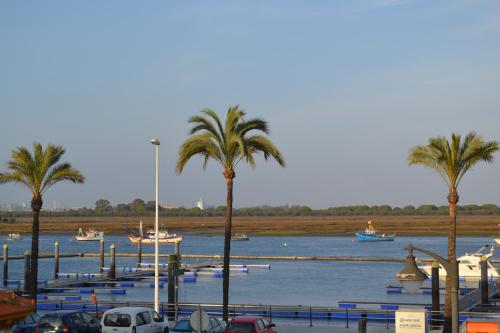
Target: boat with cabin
(469, 265)
(14, 236)
(89, 235)
(148, 237)
(371, 235)
(240, 237)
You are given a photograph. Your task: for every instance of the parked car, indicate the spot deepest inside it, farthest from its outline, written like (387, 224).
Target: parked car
(27, 325)
(68, 321)
(250, 324)
(214, 326)
(133, 320)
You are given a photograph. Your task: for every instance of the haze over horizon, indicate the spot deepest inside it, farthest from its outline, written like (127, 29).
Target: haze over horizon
(347, 88)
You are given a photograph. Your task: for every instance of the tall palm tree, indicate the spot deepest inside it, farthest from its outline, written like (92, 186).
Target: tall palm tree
(451, 161)
(38, 172)
(227, 145)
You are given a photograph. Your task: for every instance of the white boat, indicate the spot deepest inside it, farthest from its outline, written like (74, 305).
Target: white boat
(89, 235)
(497, 239)
(14, 236)
(240, 237)
(148, 237)
(469, 265)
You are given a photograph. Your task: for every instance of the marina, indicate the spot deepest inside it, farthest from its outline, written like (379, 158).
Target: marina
(326, 279)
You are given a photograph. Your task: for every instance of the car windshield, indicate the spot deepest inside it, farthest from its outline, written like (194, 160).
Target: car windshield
(50, 320)
(183, 326)
(240, 327)
(117, 320)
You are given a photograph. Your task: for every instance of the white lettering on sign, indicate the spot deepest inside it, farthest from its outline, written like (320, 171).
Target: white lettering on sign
(411, 321)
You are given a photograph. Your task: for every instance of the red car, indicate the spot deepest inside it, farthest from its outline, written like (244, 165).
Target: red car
(250, 324)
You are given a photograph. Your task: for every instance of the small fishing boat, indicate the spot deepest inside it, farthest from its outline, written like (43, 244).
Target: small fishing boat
(148, 237)
(469, 264)
(14, 236)
(89, 235)
(240, 237)
(371, 235)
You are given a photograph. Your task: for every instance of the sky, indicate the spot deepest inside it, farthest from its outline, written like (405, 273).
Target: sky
(348, 87)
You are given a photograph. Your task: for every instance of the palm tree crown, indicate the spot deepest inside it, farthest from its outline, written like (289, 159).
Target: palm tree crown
(227, 145)
(38, 172)
(451, 160)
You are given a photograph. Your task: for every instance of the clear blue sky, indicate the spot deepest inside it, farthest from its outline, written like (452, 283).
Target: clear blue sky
(347, 86)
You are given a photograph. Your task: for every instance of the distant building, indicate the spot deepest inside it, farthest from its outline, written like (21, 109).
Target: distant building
(200, 204)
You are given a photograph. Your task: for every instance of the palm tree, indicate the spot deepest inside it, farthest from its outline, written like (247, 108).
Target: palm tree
(452, 160)
(227, 145)
(38, 172)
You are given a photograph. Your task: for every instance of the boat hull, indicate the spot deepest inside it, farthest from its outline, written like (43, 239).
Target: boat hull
(361, 237)
(151, 241)
(88, 239)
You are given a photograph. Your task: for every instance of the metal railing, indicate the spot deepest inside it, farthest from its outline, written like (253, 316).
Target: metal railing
(310, 315)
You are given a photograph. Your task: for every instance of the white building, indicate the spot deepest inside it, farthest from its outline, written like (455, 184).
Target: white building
(200, 204)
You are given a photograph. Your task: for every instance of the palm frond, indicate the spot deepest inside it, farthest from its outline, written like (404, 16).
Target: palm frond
(39, 171)
(451, 160)
(61, 172)
(231, 144)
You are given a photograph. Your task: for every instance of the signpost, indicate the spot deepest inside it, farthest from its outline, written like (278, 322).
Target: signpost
(199, 320)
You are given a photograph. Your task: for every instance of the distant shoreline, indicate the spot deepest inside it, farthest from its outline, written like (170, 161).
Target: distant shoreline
(467, 225)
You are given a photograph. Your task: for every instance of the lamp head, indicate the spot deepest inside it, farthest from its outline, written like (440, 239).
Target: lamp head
(411, 277)
(155, 141)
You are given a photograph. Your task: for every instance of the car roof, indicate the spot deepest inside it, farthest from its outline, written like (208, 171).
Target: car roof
(128, 310)
(245, 319)
(62, 312)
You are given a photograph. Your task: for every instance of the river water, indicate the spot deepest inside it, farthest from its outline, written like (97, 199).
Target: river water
(312, 283)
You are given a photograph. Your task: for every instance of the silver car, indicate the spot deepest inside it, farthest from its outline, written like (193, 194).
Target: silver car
(133, 320)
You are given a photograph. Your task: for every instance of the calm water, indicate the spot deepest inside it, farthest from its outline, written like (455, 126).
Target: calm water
(317, 283)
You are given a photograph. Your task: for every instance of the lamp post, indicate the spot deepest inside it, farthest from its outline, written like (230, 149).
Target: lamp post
(410, 278)
(156, 142)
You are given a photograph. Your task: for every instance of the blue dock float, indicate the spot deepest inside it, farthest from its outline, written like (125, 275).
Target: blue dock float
(84, 290)
(189, 279)
(19, 282)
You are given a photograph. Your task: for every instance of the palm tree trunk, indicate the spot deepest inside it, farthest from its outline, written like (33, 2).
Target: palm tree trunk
(451, 281)
(227, 244)
(36, 206)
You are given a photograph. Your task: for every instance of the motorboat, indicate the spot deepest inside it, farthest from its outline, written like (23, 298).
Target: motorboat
(14, 236)
(469, 264)
(240, 237)
(497, 239)
(148, 237)
(89, 235)
(371, 235)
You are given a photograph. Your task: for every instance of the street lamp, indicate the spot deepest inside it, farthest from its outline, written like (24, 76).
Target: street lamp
(412, 280)
(156, 142)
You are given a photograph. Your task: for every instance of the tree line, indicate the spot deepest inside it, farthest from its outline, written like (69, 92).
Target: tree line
(139, 207)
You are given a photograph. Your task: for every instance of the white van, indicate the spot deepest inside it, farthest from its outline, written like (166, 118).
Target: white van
(133, 320)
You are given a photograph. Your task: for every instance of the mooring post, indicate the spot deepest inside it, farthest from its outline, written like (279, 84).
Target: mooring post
(112, 267)
(172, 266)
(484, 279)
(139, 252)
(101, 255)
(56, 259)
(435, 295)
(5, 264)
(27, 262)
